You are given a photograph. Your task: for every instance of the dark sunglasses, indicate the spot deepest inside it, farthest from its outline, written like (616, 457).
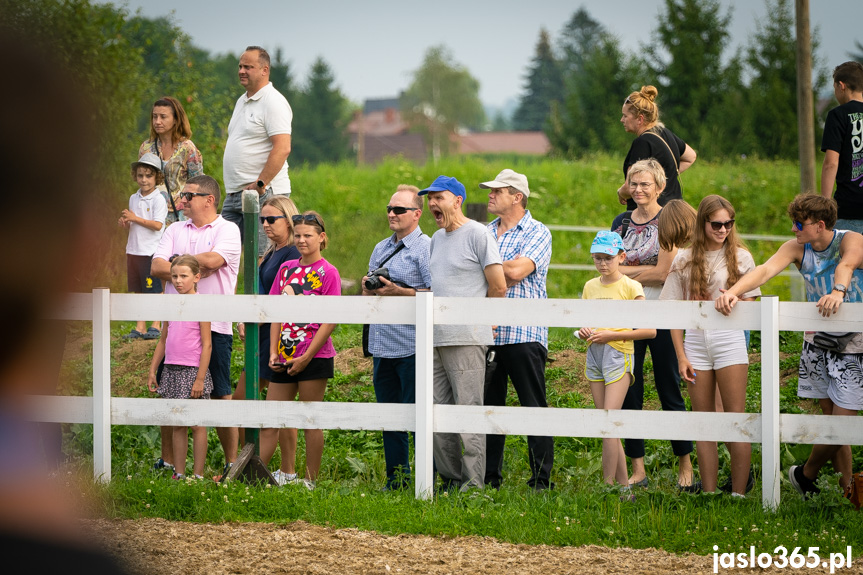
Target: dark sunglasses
(189, 195)
(307, 219)
(398, 210)
(719, 225)
(271, 219)
(799, 225)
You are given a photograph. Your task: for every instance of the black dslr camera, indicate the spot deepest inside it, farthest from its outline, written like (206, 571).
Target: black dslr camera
(373, 280)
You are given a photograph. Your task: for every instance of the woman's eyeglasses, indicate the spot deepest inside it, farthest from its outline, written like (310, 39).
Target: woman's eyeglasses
(189, 195)
(719, 225)
(399, 210)
(307, 219)
(271, 219)
(799, 225)
(642, 185)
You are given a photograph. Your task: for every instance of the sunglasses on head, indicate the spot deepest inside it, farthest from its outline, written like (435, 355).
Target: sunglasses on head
(189, 195)
(719, 225)
(399, 210)
(271, 219)
(799, 225)
(307, 219)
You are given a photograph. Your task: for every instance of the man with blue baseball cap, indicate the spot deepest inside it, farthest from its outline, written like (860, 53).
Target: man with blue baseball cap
(464, 262)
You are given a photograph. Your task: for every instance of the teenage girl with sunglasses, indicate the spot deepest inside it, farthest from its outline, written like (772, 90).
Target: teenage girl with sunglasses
(713, 359)
(305, 352)
(275, 218)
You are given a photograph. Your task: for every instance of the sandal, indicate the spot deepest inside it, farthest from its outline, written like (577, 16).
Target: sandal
(152, 333)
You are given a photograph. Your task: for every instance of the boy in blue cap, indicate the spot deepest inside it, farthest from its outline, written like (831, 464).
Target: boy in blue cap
(609, 361)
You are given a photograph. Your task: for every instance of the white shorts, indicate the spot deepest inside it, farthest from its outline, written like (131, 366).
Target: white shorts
(606, 364)
(823, 374)
(715, 348)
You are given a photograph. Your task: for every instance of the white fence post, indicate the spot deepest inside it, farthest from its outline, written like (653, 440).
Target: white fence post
(424, 472)
(102, 384)
(770, 402)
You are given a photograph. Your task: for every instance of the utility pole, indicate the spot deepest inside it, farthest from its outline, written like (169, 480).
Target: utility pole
(361, 137)
(805, 128)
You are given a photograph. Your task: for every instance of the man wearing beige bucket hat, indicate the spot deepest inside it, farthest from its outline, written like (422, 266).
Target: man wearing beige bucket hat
(519, 351)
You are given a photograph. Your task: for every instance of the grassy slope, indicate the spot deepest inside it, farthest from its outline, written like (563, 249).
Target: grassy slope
(573, 193)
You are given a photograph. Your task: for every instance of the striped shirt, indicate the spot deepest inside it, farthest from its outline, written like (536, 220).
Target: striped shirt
(528, 239)
(409, 266)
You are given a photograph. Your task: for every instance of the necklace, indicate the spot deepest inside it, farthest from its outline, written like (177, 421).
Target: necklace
(170, 149)
(720, 258)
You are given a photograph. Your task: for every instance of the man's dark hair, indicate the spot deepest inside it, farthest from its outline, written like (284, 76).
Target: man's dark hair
(207, 185)
(813, 207)
(850, 74)
(263, 55)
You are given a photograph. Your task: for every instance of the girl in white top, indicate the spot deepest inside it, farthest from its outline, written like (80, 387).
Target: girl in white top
(711, 359)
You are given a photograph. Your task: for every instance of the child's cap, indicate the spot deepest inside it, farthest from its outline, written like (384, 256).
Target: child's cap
(149, 159)
(606, 242)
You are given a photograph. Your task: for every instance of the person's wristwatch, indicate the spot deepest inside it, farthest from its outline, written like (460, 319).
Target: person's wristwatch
(841, 288)
(262, 188)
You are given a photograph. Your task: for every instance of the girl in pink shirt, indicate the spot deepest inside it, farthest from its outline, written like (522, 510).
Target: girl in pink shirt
(301, 355)
(186, 347)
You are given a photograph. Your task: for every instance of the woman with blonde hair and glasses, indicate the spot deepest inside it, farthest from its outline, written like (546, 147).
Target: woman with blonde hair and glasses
(640, 116)
(711, 359)
(648, 263)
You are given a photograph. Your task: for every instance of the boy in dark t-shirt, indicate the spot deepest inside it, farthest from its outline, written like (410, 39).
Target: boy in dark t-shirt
(843, 147)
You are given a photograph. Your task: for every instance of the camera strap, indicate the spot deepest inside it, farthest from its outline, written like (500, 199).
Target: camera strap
(366, 351)
(389, 257)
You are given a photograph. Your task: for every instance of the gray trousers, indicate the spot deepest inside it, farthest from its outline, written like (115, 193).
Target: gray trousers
(459, 379)
(232, 210)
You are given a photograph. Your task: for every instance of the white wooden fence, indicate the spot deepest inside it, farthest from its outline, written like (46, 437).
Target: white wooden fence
(769, 427)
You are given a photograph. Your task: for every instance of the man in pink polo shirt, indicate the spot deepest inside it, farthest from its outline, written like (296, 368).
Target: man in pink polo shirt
(216, 243)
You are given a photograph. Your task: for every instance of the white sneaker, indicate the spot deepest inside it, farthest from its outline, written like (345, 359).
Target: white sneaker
(283, 478)
(308, 484)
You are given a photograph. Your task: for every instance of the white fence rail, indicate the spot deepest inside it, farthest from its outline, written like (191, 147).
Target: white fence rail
(768, 427)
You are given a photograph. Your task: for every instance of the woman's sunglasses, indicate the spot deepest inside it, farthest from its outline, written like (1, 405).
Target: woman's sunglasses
(719, 225)
(271, 219)
(399, 210)
(307, 219)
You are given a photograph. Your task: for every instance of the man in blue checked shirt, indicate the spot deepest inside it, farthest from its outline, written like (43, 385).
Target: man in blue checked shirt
(393, 346)
(519, 351)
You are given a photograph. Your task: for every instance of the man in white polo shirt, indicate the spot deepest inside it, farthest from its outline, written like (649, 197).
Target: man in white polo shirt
(259, 139)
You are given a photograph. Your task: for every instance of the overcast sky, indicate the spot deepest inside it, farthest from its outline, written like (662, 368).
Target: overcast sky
(374, 46)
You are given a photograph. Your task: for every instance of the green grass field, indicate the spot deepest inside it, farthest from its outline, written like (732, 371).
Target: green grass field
(352, 201)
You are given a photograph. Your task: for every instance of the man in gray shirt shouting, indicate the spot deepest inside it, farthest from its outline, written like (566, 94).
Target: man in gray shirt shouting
(465, 262)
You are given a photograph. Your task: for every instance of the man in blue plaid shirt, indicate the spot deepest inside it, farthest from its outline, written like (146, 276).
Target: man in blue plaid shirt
(393, 346)
(520, 351)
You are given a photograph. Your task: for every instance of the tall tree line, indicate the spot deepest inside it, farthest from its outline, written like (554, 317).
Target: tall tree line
(742, 103)
(128, 61)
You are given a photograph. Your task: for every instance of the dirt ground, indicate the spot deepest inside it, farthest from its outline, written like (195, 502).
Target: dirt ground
(160, 546)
